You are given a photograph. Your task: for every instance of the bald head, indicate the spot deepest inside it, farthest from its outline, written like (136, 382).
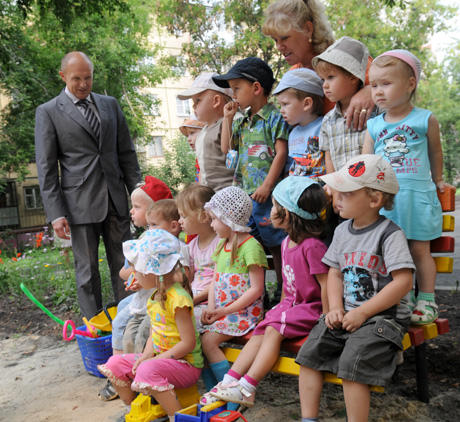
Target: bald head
(77, 73)
(75, 57)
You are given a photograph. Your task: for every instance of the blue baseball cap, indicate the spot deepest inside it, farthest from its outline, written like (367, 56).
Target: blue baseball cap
(302, 79)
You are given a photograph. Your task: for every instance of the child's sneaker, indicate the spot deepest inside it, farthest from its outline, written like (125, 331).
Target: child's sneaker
(234, 393)
(424, 312)
(411, 304)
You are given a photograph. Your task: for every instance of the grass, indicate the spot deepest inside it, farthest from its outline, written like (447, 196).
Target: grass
(46, 273)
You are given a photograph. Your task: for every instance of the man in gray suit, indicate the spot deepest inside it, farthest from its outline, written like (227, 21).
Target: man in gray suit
(86, 161)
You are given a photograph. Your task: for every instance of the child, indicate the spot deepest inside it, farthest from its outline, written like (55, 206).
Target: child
(298, 203)
(190, 128)
(208, 103)
(408, 137)
(235, 295)
(195, 221)
(163, 215)
(142, 197)
(367, 288)
(261, 139)
(173, 358)
(342, 67)
(300, 95)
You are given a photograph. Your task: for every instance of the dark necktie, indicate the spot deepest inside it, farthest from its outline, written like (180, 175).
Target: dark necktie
(91, 117)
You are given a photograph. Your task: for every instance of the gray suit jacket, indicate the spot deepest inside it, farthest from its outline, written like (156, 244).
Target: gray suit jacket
(76, 171)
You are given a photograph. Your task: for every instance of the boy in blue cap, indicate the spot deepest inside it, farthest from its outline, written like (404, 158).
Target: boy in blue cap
(300, 95)
(260, 137)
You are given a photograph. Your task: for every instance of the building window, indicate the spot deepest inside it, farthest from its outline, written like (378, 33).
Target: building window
(155, 147)
(184, 108)
(32, 198)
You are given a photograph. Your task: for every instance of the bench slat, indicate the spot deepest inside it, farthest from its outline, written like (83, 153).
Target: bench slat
(448, 223)
(285, 365)
(444, 264)
(447, 199)
(443, 244)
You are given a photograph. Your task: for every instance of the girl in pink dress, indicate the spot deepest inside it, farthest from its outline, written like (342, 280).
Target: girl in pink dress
(298, 208)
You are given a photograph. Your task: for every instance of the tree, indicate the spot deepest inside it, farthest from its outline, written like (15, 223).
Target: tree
(30, 55)
(223, 31)
(177, 168)
(219, 32)
(441, 94)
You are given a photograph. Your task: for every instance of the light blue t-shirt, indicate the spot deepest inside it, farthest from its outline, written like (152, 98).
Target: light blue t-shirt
(305, 158)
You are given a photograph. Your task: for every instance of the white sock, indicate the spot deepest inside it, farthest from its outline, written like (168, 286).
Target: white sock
(128, 408)
(247, 386)
(171, 418)
(228, 379)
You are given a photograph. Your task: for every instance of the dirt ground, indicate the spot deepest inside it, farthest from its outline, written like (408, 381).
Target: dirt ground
(43, 378)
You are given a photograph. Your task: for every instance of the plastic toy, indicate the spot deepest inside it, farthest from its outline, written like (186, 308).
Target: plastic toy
(142, 410)
(103, 320)
(198, 413)
(90, 328)
(228, 416)
(32, 298)
(73, 331)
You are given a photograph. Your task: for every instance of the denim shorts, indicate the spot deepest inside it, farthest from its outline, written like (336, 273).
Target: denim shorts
(120, 322)
(367, 356)
(261, 226)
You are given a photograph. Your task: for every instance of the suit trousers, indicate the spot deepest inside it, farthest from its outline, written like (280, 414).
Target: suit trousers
(85, 245)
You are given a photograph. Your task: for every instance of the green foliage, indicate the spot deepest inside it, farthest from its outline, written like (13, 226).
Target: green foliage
(66, 11)
(30, 54)
(212, 46)
(441, 95)
(45, 272)
(177, 169)
(386, 28)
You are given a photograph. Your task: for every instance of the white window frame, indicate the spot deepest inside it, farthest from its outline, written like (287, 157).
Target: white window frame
(32, 197)
(184, 108)
(155, 147)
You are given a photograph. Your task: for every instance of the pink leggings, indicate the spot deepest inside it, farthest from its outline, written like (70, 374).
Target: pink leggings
(153, 374)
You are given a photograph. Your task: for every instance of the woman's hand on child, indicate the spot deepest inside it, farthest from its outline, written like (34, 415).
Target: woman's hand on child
(334, 318)
(230, 109)
(360, 109)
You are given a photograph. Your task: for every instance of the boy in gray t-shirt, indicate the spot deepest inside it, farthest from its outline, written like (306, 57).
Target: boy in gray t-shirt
(368, 287)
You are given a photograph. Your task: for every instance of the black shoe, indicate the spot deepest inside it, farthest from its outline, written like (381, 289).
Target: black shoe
(108, 392)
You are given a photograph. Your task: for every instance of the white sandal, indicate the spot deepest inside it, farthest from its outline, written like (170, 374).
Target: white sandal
(233, 393)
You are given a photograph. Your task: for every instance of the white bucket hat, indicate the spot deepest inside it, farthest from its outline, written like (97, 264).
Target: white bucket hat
(157, 252)
(233, 207)
(347, 53)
